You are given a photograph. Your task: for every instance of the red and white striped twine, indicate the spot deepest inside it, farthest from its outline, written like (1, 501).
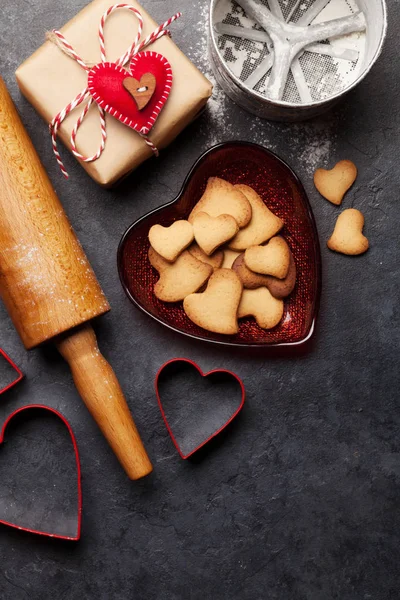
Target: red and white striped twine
(84, 95)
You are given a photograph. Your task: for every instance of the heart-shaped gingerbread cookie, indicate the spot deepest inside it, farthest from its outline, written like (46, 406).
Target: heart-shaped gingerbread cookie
(263, 224)
(215, 309)
(223, 198)
(180, 278)
(279, 288)
(333, 184)
(170, 241)
(272, 259)
(261, 305)
(347, 237)
(212, 232)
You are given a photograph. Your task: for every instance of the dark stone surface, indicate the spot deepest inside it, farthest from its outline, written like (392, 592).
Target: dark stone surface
(301, 499)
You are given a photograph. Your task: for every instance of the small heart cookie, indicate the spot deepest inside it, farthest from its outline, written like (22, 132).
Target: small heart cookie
(261, 305)
(333, 184)
(263, 225)
(272, 259)
(215, 259)
(347, 236)
(170, 241)
(212, 232)
(222, 198)
(279, 288)
(180, 278)
(215, 309)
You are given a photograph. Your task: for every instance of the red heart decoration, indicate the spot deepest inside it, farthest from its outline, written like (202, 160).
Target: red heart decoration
(197, 419)
(75, 447)
(105, 83)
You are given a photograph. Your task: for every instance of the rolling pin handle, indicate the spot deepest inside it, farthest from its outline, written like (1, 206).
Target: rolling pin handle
(99, 388)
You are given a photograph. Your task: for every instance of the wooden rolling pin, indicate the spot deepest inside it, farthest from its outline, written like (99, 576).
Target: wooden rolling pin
(50, 289)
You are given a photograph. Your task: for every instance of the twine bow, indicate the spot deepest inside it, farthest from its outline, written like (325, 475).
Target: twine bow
(67, 48)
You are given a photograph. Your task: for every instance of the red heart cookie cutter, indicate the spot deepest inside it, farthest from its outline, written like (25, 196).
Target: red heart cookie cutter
(77, 536)
(106, 85)
(218, 428)
(20, 375)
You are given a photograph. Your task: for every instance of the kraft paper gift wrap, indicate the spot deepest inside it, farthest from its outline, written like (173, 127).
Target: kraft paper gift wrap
(50, 80)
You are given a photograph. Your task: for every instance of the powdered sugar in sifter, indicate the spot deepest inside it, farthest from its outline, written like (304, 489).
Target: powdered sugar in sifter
(293, 59)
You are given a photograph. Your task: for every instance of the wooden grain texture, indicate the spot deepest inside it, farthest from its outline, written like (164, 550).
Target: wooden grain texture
(49, 287)
(99, 389)
(142, 91)
(46, 281)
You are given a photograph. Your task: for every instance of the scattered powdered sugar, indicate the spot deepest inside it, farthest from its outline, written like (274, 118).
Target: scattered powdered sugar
(309, 144)
(315, 154)
(219, 125)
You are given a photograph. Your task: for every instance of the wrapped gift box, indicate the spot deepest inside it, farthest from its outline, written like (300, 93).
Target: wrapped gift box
(49, 79)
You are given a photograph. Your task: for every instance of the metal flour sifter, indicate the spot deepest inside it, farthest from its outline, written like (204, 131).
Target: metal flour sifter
(291, 60)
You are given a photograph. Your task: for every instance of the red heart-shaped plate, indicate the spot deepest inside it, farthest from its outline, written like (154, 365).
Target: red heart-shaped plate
(283, 193)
